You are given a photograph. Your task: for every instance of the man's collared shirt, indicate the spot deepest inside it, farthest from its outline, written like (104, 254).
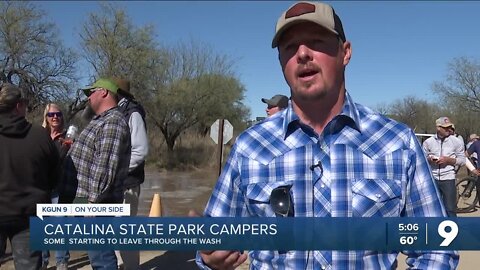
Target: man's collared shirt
(99, 157)
(371, 166)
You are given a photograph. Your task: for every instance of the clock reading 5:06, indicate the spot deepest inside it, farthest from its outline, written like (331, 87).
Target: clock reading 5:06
(402, 227)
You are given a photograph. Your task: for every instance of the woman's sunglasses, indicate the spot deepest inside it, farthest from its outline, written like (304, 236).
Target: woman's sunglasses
(281, 201)
(52, 114)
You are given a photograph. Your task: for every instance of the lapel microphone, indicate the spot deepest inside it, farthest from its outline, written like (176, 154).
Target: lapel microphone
(318, 165)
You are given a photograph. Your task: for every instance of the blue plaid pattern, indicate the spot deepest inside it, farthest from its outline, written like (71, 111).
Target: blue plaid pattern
(371, 166)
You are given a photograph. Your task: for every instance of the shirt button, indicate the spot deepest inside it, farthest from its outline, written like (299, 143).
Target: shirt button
(322, 186)
(324, 267)
(378, 195)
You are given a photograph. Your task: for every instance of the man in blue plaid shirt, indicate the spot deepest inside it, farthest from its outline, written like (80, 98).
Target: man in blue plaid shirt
(335, 158)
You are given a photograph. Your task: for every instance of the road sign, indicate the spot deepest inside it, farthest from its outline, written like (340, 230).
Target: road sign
(227, 131)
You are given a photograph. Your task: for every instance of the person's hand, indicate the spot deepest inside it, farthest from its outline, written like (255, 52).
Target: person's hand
(476, 172)
(193, 213)
(432, 158)
(65, 143)
(220, 259)
(444, 160)
(440, 161)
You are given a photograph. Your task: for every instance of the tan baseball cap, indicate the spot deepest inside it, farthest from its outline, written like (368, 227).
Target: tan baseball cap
(316, 12)
(444, 122)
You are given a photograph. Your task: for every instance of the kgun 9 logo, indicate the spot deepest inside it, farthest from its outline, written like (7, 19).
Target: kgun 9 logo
(450, 235)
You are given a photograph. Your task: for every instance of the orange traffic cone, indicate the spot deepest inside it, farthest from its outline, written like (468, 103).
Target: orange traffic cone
(156, 208)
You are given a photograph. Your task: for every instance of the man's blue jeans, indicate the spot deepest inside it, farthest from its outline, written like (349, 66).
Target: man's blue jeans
(102, 259)
(62, 256)
(448, 191)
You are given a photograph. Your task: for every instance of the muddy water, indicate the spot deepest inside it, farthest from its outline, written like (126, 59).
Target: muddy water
(179, 191)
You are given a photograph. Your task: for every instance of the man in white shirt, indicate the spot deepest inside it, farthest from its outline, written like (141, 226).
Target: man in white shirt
(444, 152)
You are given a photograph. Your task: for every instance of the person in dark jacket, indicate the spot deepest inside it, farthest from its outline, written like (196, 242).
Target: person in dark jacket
(54, 123)
(28, 173)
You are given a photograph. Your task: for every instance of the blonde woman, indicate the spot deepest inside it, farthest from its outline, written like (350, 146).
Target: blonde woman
(54, 122)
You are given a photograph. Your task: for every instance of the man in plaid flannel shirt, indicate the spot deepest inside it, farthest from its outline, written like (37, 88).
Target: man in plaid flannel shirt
(97, 163)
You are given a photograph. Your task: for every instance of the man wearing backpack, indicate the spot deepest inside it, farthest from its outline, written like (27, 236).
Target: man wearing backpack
(135, 116)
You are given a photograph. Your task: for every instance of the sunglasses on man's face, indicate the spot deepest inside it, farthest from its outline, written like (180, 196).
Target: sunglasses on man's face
(52, 114)
(88, 93)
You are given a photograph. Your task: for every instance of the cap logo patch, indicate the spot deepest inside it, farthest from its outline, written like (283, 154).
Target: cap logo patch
(300, 9)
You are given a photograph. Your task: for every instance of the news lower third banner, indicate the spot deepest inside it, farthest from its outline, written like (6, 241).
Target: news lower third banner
(199, 233)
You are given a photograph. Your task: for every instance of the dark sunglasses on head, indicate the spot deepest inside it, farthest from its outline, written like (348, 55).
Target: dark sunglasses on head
(52, 114)
(281, 201)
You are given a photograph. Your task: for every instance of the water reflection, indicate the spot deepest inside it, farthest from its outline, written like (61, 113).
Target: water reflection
(179, 191)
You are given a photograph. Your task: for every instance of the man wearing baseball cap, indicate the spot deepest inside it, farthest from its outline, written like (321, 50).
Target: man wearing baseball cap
(134, 113)
(97, 163)
(324, 156)
(275, 104)
(444, 151)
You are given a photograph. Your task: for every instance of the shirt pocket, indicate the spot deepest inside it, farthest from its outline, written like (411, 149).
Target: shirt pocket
(258, 196)
(376, 197)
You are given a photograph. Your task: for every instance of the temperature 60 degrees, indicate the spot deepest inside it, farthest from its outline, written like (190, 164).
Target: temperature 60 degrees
(407, 240)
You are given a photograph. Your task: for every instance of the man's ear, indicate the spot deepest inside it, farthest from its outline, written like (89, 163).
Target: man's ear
(104, 92)
(347, 49)
(20, 108)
